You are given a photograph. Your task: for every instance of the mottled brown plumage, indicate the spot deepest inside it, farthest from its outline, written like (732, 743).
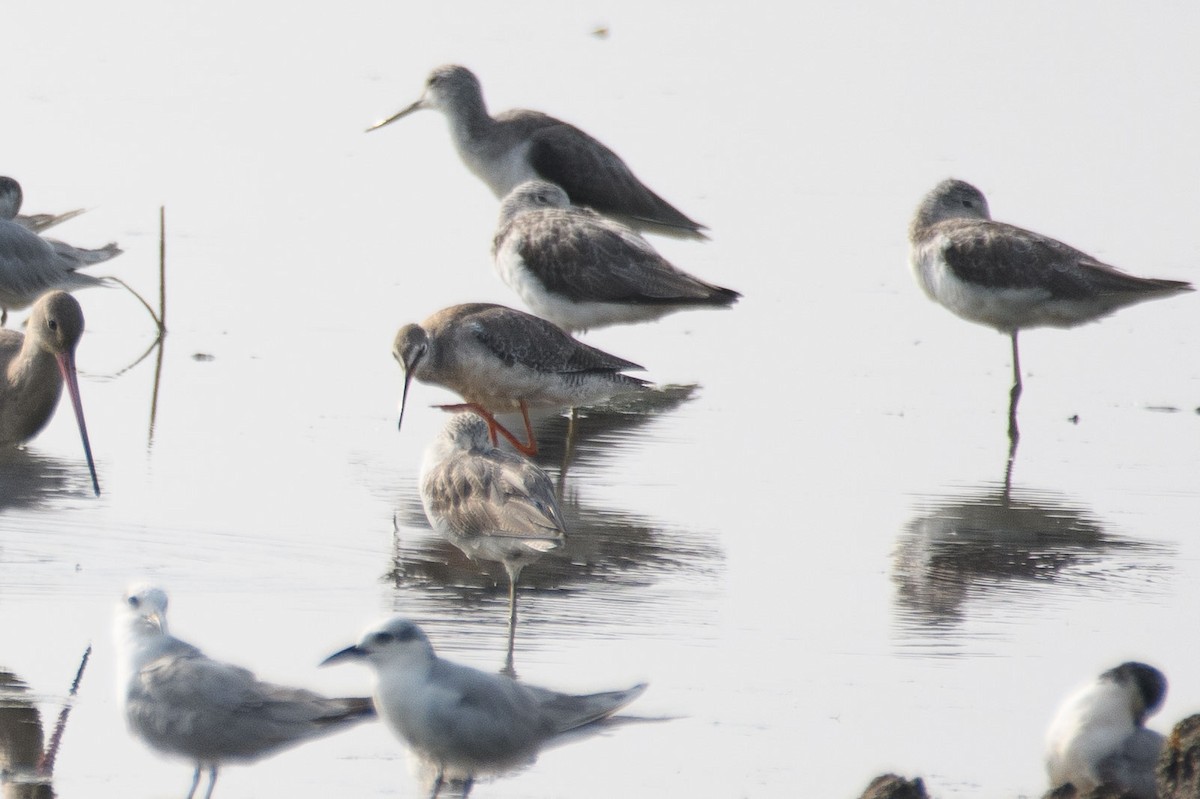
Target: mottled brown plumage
(500, 359)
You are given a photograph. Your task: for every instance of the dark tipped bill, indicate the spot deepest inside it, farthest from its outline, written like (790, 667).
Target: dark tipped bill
(398, 115)
(66, 365)
(349, 653)
(408, 375)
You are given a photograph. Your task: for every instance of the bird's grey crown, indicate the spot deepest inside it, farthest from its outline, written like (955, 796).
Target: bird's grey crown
(451, 87)
(468, 431)
(531, 196)
(395, 630)
(950, 199)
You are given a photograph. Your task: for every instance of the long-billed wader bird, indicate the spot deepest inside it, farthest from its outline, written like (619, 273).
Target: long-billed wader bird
(35, 366)
(1010, 278)
(515, 146)
(500, 359)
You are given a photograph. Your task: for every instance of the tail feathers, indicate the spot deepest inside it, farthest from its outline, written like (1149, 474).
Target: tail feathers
(82, 256)
(566, 711)
(344, 710)
(1103, 279)
(674, 229)
(39, 222)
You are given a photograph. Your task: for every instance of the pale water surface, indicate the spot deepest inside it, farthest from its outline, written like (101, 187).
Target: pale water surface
(809, 558)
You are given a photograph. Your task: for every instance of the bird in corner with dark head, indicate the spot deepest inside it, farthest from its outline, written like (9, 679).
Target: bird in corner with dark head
(1098, 736)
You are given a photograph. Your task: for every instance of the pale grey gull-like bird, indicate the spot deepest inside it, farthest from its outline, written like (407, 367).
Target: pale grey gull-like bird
(1098, 735)
(462, 722)
(31, 265)
(187, 705)
(519, 145)
(1010, 278)
(500, 359)
(11, 200)
(35, 366)
(582, 270)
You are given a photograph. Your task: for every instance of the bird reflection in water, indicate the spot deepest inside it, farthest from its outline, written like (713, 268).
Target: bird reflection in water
(605, 545)
(31, 479)
(620, 549)
(587, 435)
(995, 539)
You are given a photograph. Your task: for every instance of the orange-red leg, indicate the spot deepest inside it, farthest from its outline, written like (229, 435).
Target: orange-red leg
(528, 449)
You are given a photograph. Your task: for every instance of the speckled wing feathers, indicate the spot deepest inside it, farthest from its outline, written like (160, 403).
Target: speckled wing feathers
(562, 248)
(459, 493)
(540, 345)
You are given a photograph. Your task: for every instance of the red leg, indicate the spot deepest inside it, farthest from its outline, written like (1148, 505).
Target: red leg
(531, 448)
(528, 449)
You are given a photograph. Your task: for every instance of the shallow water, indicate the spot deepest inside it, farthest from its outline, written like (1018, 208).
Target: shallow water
(809, 556)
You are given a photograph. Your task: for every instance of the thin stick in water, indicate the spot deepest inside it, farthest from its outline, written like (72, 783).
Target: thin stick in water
(162, 269)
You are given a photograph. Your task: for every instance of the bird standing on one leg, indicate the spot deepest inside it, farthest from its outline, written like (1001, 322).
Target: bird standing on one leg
(1010, 278)
(489, 503)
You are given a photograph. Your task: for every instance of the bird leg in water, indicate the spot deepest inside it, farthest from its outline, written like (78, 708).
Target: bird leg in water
(1013, 433)
(527, 449)
(509, 669)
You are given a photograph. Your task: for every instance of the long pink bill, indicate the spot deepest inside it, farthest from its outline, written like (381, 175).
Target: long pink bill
(66, 365)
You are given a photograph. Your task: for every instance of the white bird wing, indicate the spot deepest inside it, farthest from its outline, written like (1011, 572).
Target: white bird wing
(470, 716)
